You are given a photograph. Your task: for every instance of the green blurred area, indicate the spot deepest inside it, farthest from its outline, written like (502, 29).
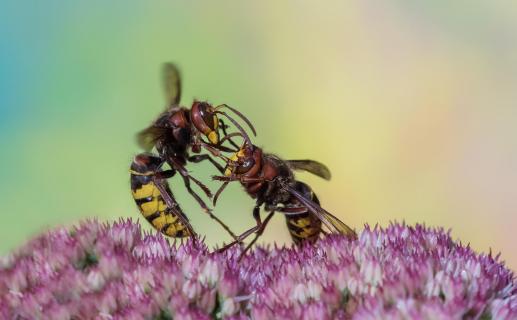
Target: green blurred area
(411, 105)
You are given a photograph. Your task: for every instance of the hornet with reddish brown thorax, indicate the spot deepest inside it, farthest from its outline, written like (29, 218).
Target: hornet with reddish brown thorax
(174, 133)
(271, 181)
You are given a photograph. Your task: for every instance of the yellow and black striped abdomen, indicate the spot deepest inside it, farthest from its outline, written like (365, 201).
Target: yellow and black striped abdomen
(303, 227)
(152, 206)
(302, 224)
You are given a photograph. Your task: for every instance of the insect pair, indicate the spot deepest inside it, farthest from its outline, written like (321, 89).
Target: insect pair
(174, 133)
(265, 177)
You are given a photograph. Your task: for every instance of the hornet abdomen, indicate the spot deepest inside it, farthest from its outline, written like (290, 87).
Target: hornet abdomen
(302, 224)
(149, 200)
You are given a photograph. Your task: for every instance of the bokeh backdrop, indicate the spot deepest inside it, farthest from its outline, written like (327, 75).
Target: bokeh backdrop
(413, 106)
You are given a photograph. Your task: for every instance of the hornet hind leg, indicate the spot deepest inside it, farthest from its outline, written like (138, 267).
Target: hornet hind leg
(186, 180)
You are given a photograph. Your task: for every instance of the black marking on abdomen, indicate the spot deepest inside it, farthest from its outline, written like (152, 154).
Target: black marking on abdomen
(311, 230)
(165, 227)
(140, 202)
(153, 216)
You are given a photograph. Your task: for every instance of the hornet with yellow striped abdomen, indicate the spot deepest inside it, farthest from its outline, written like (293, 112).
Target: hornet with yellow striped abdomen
(174, 133)
(271, 181)
(150, 189)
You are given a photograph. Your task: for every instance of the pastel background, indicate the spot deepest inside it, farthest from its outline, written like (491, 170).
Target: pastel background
(413, 106)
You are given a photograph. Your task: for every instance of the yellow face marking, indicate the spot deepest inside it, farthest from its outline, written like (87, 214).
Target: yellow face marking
(213, 137)
(235, 157)
(147, 190)
(229, 169)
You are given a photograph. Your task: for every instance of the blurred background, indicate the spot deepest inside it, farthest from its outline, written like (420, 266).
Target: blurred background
(413, 106)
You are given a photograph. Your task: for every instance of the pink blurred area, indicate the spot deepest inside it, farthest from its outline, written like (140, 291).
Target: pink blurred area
(411, 105)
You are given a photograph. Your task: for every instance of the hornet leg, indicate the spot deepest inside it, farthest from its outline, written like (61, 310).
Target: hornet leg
(257, 234)
(172, 204)
(186, 179)
(205, 207)
(202, 157)
(223, 128)
(247, 233)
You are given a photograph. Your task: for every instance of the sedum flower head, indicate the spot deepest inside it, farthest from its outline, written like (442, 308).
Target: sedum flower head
(114, 271)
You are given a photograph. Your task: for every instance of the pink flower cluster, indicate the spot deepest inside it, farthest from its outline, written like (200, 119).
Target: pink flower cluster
(99, 271)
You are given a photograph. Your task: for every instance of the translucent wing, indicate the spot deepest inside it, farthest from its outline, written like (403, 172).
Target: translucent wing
(147, 138)
(328, 219)
(171, 84)
(314, 167)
